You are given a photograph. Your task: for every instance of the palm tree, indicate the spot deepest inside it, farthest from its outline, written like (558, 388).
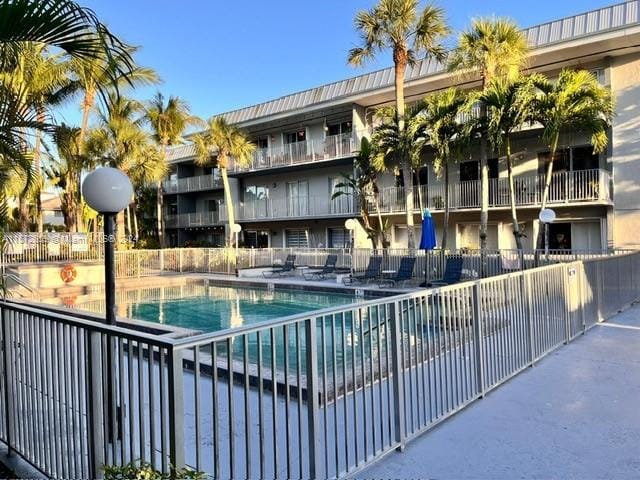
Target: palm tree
(229, 142)
(509, 106)
(398, 26)
(491, 48)
(395, 148)
(44, 81)
(363, 185)
(65, 171)
(576, 102)
(446, 135)
(57, 23)
(119, 140)
(168, 122)
(101, 75)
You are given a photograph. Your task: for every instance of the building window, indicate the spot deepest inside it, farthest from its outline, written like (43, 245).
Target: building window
(297, 238)
(298, 198)
(256, 192)
(295, 137)
(212, 205)
(339, 128)
(256, 239)
(338, 237)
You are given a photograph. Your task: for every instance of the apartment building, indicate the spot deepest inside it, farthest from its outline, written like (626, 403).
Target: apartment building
(307, 141)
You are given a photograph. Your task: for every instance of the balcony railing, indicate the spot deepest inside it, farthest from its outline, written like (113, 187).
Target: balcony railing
(192, 184)
(196, 219)
(566, 188)
(295, 207)
(310, 151)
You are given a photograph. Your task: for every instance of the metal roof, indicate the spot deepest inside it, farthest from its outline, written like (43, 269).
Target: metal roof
(602, 20)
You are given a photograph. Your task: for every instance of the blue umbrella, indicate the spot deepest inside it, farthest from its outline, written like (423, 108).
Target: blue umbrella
(428, 238)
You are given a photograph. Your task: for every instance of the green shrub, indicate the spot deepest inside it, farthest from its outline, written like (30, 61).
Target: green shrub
(144, 471)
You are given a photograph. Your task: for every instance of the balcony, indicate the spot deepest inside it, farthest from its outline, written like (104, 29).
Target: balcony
(192, 184)
(310, 151)
(196, 219)
(297, 207)
(580, 186)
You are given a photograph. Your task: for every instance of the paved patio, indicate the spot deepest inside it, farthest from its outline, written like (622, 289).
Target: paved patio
(576, 414)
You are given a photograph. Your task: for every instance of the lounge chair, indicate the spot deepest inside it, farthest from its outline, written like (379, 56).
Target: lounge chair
(371, 273)
(452, 273)
(403, 275)
(287, 268)
(328, 269)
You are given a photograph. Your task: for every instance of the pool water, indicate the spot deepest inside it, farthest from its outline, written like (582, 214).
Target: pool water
(220, 308)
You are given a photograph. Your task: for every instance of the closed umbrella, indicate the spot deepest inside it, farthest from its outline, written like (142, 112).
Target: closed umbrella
(428, 239)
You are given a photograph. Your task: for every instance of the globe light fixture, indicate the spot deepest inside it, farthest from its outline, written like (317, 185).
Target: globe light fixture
(546, 216)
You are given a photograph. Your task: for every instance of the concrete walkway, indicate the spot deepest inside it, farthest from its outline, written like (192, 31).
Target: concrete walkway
(576, 414)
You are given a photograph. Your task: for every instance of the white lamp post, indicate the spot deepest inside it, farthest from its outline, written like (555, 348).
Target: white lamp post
(236, 229)
(351, 224)
(546, 216)
(108, 191)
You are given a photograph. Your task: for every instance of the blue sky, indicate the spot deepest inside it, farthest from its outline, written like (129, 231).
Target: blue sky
(219, 55)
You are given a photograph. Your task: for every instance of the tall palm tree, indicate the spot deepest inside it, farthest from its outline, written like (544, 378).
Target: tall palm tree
(228, 142)
(100, 75)
(119, 140)
(446, 135)
(65, 171)
(576, 102)
(168, 122)
(44, 80)
(490, 48)
(397, 25)
(395, 148)
(509, 106)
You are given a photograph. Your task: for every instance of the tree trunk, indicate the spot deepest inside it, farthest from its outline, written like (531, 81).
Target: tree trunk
(160, 221)
(128, 210)
(23, 212)
(37, 166)
(120, 229)
(547, 186)
(231, 220)
(445, 224)
(134, 214)
(512, 197)
(484, 197)
(87, 105)
(400, 62)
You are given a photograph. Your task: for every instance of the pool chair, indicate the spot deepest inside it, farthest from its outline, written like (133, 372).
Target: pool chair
(403, 275)
(328, 269)
(371, 273)
(452, 273)
(285, 269)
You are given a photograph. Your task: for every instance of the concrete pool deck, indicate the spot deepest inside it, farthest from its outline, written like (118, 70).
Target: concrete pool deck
(574, 415)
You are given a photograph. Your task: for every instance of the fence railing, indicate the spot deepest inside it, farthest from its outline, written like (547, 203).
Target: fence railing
(51, 247)
(308, 151)
(316, 395)
(192, 184)
(566, 187)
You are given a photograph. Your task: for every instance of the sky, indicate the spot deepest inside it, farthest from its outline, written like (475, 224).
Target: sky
(220, 55)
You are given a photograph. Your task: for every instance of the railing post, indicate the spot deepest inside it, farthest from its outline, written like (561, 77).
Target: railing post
(138, 263)
(525, 290)
(180, 260)
(95, 399)
(397, 359)
(568, 296)
(176, 409)
(161, 260)
(9, 409)
(312, 395)
(478, 338)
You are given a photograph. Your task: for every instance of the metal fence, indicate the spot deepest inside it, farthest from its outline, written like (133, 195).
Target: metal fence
(314, 395)
(137, 263)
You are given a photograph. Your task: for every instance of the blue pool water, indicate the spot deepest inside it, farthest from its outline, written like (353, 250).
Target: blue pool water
(219, 308)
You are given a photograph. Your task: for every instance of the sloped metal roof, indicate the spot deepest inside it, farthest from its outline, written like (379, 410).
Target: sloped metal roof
(602, 20)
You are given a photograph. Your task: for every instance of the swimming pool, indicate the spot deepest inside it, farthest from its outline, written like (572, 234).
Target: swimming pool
(210, 308)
